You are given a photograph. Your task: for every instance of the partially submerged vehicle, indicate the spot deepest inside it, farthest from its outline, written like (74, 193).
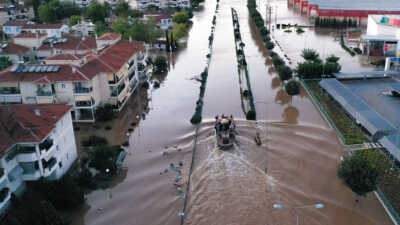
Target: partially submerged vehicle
(225, 131)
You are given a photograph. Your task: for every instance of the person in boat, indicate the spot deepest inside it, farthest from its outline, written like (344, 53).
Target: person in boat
(217, 123)
(225, 124)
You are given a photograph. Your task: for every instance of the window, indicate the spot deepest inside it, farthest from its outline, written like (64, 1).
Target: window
(60, 164)
(58, 149)
(63, 86)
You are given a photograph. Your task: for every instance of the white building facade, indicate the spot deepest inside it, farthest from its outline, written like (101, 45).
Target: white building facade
(33, 153)
(383, 36)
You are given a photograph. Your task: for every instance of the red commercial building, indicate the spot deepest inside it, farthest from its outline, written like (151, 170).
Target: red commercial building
(346, 9)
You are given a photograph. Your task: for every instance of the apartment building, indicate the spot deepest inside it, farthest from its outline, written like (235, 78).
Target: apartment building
(30, 40)
(162, 4)
(16, 53)
(82, 81)
(13, 28)
(67, 45)
(37, 141)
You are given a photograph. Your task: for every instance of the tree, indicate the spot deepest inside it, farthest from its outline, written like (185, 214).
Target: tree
(160, 64)
(359, 174)
(46, 14)
(123, 9)
(146, 32)
(100, 28)
(121, 25)
(292, 87)
(284, 72)
(49, 215)
(74, 19)
(310, 69)
(181, 17)
(332, 59)
(180, 30)
(330, 67)
(63, 193)
(105, 113)
(309, 54)
(5, 62)
(168, 44)
(96, 12)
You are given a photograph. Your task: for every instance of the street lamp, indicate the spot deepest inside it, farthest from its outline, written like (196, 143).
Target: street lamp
(316, 206)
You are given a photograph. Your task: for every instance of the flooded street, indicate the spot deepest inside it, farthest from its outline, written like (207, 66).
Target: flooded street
(295, 165)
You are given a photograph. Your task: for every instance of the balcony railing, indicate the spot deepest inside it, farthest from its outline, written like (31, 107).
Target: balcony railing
(141, 67)
(131, 75)
(140, 57)
(10, 91)
(84, 103)
(44, 93)
(83, 90)
(115, 92)
(49, 165)
(46, 145)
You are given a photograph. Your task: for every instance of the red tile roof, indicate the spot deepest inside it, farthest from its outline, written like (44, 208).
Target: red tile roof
(14, 49)
(109, 60)
(64, 74)
(14, 23)
(66, 57)
(29, 35)
(112, 58)
(20, 123)
(42, 26)
(109, 37)
(72, 43)
(162, 17)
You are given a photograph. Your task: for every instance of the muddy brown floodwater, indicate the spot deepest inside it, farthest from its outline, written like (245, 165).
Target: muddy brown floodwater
(300, 152)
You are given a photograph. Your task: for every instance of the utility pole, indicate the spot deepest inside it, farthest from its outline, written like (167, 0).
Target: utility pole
(269, 12)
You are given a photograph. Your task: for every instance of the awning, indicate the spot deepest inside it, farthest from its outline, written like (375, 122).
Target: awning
(45, 100)
(8, 84)
(83, 98)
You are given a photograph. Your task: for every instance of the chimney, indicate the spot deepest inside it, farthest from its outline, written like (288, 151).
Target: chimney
(83, 38)
(37, 35)
(73, 69)
(130, 39)
(37, 112)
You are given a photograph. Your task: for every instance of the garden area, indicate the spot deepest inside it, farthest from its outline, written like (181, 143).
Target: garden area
(350, 132)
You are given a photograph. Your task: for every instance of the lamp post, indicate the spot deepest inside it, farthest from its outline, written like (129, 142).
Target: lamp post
(316, 206)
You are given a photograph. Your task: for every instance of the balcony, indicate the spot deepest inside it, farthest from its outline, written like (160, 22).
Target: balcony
(114, 81)
(27, 157)
(140, 57)
(49, 166)
(43, 93)
(2, 175)
(26, 154)
(115, 92)
(84, 103)
(10, 91)
(32, 175)
(46, 144)
(131, 75)
(83, 90)
(141, 67)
